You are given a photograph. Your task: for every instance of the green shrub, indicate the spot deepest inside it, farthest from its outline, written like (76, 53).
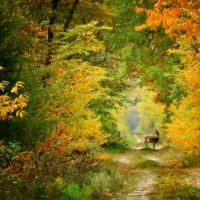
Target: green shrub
(107, 177)
(72, 192)
(115, 149)
(7, 152)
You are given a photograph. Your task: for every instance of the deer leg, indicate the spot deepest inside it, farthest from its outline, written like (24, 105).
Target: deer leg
(145, 144)
(154, 144)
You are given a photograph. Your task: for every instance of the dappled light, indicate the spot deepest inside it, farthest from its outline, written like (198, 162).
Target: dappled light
(99, 100)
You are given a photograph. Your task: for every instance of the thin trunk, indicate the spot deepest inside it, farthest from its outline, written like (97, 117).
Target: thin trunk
(70, 16)
(50, 32)
(52, 19)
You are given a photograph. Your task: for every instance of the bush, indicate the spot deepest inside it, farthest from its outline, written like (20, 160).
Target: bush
(8, 152)
(74, 192)
(105, 178)
(75, 176)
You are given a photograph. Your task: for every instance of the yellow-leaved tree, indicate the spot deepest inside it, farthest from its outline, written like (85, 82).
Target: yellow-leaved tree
(10, 107)
(184, 130)
(72, 85)
(180, 20)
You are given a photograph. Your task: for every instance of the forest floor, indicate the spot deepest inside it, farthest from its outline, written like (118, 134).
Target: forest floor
(158, 175)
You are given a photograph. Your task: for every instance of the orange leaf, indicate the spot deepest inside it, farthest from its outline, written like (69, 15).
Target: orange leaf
(158, 4)
(138, 10)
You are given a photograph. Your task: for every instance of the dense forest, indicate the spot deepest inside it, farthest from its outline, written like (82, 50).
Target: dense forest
(80, 77)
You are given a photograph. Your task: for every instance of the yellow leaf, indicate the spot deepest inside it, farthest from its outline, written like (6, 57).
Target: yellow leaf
(139, 28)
(20, 84)
(21, 114)
(14, 90)
(17, 114)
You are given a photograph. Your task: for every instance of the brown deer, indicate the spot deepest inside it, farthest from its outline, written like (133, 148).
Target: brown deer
(151, 139)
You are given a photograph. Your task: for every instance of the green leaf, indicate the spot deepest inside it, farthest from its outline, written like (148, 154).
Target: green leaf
(8, 156)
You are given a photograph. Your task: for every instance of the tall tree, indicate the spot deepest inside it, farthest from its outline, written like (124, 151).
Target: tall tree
(180, 20)
(13, 44)
(144, 53)
(66, 77)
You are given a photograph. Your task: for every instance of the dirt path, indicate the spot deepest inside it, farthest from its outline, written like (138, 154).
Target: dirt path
(193, 178)
(143, 187)
(146, 178)
(165, 182)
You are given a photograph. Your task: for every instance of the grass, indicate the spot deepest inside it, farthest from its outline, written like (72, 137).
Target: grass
(171, 184)
(145, 163)
(115, 149)
(191, 161)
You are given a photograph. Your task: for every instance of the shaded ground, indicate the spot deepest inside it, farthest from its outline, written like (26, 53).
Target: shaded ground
(156, 175)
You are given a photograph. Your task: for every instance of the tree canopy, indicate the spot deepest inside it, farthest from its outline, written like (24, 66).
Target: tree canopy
(71, 70)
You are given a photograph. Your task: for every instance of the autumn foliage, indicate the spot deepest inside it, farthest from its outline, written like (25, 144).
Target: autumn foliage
(180, 20)
(9, 106)
(76, 77)
(177, 18)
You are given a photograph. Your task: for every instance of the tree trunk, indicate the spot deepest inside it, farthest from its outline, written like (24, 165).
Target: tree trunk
(50, 32)
(71, 12)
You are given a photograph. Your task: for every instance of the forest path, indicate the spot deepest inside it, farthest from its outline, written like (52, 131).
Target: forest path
(153, 177)
(143, 187)
(146, 178)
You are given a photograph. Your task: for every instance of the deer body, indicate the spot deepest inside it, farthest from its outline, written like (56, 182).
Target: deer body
(151, 139)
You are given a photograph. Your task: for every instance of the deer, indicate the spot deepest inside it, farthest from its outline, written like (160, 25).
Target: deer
(151, 139)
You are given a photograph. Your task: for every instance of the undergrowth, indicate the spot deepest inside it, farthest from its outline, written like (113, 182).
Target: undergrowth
(78, 176)
(172, 184)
